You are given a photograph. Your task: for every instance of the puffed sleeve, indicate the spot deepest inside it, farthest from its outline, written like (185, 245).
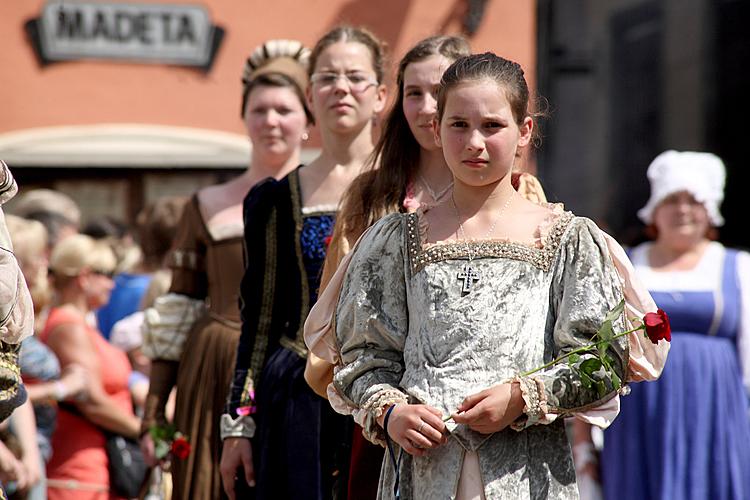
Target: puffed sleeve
(16, 308)
(646, 360)
(372, 323)
(585, 287)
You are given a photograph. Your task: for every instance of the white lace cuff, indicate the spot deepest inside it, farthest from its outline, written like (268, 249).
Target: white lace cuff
(242, 426)
(374, 408)
(535, 403)
(166, 325)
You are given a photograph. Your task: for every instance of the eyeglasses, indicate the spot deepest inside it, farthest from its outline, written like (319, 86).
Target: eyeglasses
(358, 82)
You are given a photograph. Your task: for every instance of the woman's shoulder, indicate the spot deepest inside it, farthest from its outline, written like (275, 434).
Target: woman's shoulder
(63, 319)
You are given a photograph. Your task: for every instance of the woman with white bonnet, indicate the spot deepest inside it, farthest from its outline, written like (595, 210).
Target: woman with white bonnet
(687, 435)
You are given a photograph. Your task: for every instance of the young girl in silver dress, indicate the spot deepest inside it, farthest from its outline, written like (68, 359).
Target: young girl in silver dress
(442, 309)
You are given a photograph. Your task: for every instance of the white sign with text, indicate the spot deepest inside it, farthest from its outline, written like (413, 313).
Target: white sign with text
(162, 33)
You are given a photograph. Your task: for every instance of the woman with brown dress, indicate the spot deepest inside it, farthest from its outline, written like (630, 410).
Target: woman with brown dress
(207, 264)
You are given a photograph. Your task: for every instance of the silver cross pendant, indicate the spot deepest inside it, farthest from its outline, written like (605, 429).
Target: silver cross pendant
(469, 276)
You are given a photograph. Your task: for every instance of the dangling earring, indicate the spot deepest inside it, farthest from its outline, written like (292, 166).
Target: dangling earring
(305, 136)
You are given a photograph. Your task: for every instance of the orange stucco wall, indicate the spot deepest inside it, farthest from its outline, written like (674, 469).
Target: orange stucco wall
(91, 92)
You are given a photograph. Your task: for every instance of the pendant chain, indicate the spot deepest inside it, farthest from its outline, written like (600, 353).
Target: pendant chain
(489, 232)
(436, 197)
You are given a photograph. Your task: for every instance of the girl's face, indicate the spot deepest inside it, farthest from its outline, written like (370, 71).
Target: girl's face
(478, 133)
(275, 120)
(680, 217)
(344, 93)
(421, 80)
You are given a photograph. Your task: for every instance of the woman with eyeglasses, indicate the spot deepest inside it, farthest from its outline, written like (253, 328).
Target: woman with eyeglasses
(300, 446)
(81, 275)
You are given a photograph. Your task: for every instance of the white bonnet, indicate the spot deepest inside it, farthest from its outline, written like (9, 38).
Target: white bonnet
(700, 174)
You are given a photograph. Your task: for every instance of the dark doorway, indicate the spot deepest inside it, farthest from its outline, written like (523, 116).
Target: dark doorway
(635, 110)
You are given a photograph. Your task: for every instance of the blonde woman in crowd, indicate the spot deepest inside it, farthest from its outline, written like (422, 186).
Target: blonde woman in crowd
(81, 272)
(40, 368)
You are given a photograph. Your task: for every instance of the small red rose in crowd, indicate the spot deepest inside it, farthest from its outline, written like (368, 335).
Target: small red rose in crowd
(657, 326)
(181, 448)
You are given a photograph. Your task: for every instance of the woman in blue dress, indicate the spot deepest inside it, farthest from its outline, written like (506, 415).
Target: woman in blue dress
(687, 435)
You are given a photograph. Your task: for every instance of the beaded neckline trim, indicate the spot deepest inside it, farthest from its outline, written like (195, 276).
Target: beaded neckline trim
(540, 258)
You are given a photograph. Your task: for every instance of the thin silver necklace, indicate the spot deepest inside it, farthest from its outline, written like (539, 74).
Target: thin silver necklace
(436, 197)
(469, 276)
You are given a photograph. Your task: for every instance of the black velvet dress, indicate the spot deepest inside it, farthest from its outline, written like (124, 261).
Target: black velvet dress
(301, 448)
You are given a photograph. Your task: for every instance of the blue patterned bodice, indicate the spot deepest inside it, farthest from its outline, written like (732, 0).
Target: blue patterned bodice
(314, 239)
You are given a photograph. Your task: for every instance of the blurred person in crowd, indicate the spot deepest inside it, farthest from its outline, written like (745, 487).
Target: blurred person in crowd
(127, 334)
(40, 368)
(302, 453)
(687, 435)
(22, 433)
(131, 280)
(58, 213)
(156, 227)
(192, 332)
(81, 273)
(120, 237)
(30, 247)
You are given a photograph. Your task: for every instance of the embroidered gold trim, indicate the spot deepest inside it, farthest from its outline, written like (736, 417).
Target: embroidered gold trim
(298, 344)
(11, 366)
(541, 258)
(266, 310)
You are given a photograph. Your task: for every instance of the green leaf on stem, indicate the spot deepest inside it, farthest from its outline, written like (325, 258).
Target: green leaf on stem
(586, 381)
(573, 359)
(606, 332)
(161, 449)
(601, 388)
(589, 366)
(616, 382)
(616, 312)
(602, 349)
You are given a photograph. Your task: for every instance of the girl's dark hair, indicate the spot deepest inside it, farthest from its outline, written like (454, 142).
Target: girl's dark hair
(394, 161)
(351, 34)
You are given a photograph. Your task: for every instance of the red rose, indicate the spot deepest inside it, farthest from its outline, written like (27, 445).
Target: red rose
(181, 448)
(657, 326)
(327, 241)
